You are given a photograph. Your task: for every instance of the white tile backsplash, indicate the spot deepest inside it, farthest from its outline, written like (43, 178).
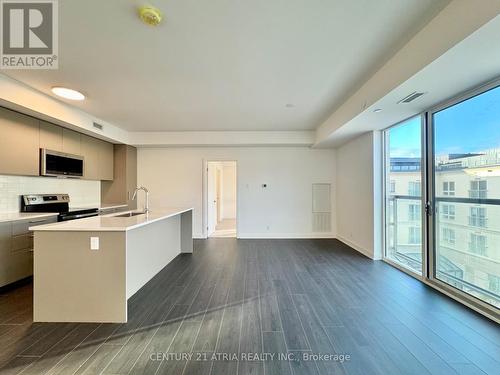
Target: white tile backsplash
(81, 192)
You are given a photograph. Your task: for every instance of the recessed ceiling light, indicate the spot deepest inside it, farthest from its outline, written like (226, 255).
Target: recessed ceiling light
(66, 93)
(377, 110)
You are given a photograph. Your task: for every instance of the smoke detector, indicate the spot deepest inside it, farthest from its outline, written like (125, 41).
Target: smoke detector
(150, 15)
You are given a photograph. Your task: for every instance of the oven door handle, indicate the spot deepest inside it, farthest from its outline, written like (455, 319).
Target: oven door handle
(79, 216)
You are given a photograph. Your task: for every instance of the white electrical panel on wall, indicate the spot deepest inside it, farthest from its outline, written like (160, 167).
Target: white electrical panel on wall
(321, 207)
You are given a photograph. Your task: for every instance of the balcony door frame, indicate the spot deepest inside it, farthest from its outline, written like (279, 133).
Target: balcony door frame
(423, 189)
(431, 279)
(428, 205)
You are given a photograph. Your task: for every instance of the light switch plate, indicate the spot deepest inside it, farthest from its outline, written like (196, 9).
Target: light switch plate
(94, 243)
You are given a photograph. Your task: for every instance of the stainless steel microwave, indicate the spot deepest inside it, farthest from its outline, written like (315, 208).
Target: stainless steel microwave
(60, 164)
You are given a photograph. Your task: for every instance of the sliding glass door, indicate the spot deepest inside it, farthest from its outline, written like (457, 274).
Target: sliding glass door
(403, 195)
(466, 195)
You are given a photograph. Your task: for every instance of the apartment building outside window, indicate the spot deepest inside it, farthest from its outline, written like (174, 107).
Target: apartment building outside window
(478, 189)
(448, 211)
(392, 186)
(448, 236)
(449, 188)
(414, 212)
(414, 236)
(494, 283)
(414, 188)
(477, 217)
(477, 244)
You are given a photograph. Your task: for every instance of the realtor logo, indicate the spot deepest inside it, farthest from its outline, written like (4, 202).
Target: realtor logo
(28, 34)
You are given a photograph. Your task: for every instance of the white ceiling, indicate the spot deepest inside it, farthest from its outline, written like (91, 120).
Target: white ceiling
(225, 64)
(468, 64)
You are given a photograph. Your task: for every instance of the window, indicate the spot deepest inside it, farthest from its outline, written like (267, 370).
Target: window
(414, 188)
(414, 236)
(449, 188)
(464, 143)
(402, 164)
(448, 236)
(392, 186)
(477, 217)
(448, 211)
(478, 189)
(494, 284)
(414, 212)
(477, 244)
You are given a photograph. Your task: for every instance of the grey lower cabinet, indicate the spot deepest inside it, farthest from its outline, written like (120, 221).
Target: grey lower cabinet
(16, 249)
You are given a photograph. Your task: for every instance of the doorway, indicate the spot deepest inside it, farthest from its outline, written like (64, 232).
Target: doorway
(221, 188)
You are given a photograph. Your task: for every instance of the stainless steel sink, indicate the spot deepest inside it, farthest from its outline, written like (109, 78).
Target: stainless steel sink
(130, 214)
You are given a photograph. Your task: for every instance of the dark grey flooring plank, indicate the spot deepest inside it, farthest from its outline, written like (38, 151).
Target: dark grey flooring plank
(271, 320)
(292, 326)
(160, 342)
(274, 344)
(317, 336)
(182, 345)
(98, 361)
(77, 357)
(63, 348)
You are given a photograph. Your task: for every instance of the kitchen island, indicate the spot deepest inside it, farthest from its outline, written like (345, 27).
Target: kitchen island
(85, 270)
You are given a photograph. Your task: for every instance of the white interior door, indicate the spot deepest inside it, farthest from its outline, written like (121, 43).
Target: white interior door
(211, 198)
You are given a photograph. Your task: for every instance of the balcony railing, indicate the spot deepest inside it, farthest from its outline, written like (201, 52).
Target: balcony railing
(451, 256)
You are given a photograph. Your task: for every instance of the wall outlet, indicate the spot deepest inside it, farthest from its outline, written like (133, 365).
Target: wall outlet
(268, 227)
(94, 243)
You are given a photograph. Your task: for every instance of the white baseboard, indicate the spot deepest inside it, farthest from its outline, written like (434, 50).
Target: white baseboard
(285, 235)
(367, 253)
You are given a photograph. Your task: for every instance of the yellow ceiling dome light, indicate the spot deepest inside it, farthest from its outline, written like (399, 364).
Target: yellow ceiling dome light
(150, 15)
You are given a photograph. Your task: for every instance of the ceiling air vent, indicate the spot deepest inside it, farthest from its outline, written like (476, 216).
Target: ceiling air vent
(414, 95)
(98, 126)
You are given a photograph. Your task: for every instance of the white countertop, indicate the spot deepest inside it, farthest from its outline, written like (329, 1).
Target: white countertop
(111, 223)
(19, 216)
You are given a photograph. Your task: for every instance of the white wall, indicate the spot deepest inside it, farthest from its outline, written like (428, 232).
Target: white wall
(229, 192)
(81, 192)
(283, 209)
(359, 195)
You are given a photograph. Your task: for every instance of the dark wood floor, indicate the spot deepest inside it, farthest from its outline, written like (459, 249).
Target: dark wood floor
(296, 297)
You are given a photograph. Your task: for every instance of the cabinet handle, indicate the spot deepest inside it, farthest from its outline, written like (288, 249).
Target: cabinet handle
(36, 221)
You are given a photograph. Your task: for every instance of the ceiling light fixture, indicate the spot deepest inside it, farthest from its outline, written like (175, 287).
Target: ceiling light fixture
(66, 93)
(377, 110)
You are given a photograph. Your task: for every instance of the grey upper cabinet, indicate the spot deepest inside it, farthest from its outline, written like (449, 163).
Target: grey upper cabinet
(51, 136)
(90, 152)
(71, 142)
(98, 162)
(125, 177)
(106, 165)
(21, 138)
(19, 144)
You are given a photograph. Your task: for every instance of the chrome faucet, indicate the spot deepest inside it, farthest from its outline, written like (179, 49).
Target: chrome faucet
(146, 205)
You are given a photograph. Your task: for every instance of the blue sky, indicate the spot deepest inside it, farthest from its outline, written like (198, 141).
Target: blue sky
(470, 126)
